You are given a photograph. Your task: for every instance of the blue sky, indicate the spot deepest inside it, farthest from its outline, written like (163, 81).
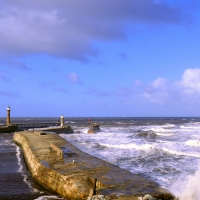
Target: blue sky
(97, 58)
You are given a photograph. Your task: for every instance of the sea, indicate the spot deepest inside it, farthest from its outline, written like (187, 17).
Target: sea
(165, 150)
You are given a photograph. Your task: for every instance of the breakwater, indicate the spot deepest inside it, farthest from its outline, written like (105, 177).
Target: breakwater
(30, 125)
(59, 166)
(57, 129)
(8, 128)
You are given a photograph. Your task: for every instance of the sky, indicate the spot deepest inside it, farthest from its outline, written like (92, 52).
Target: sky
(100, 58)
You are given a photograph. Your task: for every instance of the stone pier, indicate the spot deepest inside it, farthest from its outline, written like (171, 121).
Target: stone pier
(59, 166)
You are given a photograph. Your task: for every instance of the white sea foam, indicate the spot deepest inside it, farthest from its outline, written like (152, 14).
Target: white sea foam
(20, 170)
(165, 134)
(172, 154)
(130, 146)
(195, 143)
(160, 129)
(181, 153)
(121, 123)
(167, 125)
(19, 159)
(191, 126)
(71, 122)
(6, 143)
(188, 189)
(84, 130)
(49, 197)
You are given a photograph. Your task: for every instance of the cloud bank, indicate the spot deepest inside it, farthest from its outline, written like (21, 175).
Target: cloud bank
(161, 92)
(68, 28)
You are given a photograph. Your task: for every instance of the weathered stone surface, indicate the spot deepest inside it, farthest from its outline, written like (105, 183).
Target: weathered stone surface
(73, 175)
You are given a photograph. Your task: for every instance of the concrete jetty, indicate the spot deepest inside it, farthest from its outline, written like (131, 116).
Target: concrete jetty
(8, 129)
(59, 166)
(57, 129)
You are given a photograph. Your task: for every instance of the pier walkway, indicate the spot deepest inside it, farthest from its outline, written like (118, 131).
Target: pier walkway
(23, 126)
(59, 166)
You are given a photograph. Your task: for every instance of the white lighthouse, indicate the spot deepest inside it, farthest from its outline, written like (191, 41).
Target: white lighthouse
(8, 115)
(62, 121)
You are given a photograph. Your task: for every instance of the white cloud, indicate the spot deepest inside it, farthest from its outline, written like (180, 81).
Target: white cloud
(158, 91)
(158, 97)
(190, 82)
(163, 92)
(160, 83)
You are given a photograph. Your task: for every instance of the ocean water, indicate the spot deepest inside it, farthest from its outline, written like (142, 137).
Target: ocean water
(167, 150)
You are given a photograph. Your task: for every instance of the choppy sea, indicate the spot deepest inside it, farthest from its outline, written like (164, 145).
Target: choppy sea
(167, 150)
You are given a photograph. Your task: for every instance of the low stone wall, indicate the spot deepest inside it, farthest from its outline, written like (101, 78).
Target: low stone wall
(57, 149)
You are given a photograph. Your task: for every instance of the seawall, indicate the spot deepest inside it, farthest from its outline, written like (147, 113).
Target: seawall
(8, 129)
(57, 129)
(59, 166)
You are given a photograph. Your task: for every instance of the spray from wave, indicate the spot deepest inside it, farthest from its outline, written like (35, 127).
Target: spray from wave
(188, 188)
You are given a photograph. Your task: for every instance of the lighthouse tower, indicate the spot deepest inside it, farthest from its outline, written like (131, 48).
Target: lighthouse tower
(62, 121)
(8, 115)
